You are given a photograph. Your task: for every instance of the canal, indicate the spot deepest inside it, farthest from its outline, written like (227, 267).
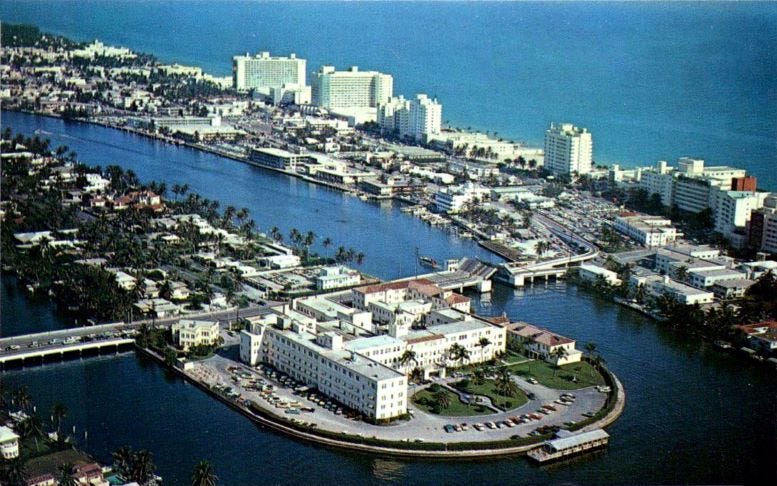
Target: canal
(693, 414)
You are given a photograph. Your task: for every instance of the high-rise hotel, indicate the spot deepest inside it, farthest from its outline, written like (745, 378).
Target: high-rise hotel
(351, 89)
(568, 149)
(263, 72)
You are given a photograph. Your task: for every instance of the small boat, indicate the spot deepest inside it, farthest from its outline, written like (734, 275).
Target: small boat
(722, 344)
(428, 262)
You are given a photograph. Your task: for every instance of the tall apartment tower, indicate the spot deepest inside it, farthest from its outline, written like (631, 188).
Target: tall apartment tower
(419, 118)
(350, 89)
(425, 118)
(568, 149)
(264, 72)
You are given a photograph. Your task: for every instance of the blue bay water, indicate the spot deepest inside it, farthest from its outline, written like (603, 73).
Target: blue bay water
(694, 414)
(651, 81)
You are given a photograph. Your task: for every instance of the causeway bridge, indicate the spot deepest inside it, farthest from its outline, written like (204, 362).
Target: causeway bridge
(35, 348)
(518, 274)
(462, 274)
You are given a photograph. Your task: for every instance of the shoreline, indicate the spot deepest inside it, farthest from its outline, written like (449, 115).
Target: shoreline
(424, 450)
(355, 191)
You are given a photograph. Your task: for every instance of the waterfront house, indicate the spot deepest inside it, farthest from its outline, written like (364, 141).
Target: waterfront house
(544, 344)
(9, 443)
(761, 335)
(188, 333)
(594, 274)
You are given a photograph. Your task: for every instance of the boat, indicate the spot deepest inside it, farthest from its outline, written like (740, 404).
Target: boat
(722, 344)
(567, 444)
(428, 262)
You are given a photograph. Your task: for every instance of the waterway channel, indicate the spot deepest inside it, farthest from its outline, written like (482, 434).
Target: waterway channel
(694, 414)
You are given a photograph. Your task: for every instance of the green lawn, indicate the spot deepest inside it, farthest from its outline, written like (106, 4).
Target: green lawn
(488, 388)
(424, 399)
(560, 379)
(512, 357)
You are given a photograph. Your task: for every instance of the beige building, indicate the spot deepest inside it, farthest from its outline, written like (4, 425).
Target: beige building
(188, 333)
(544, 344)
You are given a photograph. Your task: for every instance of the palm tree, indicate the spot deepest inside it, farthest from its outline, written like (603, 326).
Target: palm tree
(33, 427)
(681, 273)
(122, 461)
(22, 398)
(504, 383)
(204, 474)
(327, 242)
(143, 467)
(15, 472)
(458, 353)
(442, 399)
(416, 375)
(478, 376)
(58, 414)
(407, 357)
(558, 353)
(483, 343)
(66, 475)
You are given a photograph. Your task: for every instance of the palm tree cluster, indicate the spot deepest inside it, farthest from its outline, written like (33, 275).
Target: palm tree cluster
(135, 466)
(204, 474)
(504, 383)
(458, 353)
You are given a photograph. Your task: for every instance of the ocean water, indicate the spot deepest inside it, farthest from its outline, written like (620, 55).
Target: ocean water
(650, 80)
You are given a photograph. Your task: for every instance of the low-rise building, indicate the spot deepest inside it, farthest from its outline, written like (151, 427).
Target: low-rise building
(731, 289)
(544, 344)
(594, 274)
(331, 278)
(647, 230)
(189, 333)
(708, 278)
(681, 293)
(9, 443)
(761, 335)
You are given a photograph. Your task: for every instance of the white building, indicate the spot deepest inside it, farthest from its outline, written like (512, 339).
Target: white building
(188, 333)
(453, 199)
(9, 443)
(683, 294)
(418, 119)
(732, 209)
(593, 273)
(264, 72)
(321, 361)
(331, 278)
(334, 90)
(568, 149)
(648, 231)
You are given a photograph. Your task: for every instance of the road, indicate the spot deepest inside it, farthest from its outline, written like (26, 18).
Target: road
(23, 341)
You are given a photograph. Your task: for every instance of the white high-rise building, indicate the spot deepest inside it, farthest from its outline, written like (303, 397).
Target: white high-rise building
(568, 149)
(350, 89)
(425, 118)
(263, 72)
(419, 118)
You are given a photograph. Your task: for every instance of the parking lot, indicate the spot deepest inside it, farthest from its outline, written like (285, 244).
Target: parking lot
(269, 392)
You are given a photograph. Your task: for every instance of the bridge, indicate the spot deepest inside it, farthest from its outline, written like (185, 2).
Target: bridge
(517, 274)
(60, 351)
(462, 274)
(34, 348)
